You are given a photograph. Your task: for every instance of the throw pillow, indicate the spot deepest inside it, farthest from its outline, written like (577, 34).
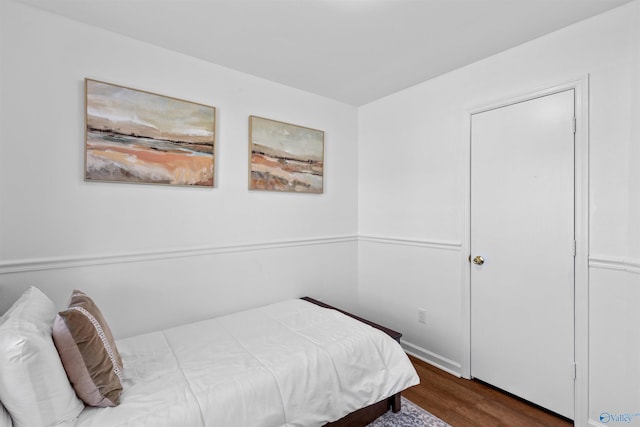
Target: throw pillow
(88, 352)
(33, 385)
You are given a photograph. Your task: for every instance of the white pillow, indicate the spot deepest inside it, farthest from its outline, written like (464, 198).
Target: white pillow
(5, 419)
(34, 387)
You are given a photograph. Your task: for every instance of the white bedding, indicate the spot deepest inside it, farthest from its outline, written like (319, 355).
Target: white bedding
(287, 364)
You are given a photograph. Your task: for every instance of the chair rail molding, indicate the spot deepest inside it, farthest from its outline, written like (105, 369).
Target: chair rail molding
(52, 263)
(432, 244)
(615, 263)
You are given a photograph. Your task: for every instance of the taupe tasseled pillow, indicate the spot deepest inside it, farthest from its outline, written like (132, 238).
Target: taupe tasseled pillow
(88, 352)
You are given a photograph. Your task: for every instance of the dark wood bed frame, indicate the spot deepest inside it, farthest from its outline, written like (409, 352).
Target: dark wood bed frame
(368, 414)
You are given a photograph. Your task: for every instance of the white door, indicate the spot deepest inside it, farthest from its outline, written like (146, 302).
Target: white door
(522, 227)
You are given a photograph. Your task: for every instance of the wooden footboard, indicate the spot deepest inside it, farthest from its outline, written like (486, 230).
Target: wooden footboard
(368, 414)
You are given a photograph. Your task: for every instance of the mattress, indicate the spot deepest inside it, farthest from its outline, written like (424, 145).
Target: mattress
(287, 364)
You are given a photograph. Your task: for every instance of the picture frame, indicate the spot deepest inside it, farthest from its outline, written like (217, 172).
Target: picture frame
(135, 136)
(285, 157)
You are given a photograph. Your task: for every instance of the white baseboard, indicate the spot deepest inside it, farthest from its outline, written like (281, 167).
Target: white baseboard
(594, 423)
(441, 362)
(629, 419)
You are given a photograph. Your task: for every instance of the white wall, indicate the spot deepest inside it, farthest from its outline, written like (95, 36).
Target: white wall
(412, 166)
(174, 254)
(158, 256)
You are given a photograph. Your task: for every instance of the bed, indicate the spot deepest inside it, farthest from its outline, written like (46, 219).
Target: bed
(292, 363)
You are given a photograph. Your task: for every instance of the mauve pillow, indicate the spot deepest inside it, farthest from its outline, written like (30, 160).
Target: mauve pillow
(88, 352)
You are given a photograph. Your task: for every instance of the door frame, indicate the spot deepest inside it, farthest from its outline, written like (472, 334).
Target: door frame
(581, 224)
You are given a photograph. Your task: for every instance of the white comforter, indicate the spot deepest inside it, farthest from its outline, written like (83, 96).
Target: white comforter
(287, 364)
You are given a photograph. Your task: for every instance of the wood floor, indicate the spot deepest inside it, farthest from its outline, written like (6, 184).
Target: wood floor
(462, 403)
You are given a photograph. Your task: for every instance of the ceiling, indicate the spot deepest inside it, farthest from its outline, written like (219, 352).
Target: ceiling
(353, 51)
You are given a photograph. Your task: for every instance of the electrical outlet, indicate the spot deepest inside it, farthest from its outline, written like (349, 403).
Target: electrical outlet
(422, 315)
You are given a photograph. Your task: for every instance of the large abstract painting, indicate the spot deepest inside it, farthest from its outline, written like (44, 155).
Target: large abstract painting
(140, 137)
(285, 157)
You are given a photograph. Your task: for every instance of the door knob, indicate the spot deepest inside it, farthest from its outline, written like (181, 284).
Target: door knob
(478, 260)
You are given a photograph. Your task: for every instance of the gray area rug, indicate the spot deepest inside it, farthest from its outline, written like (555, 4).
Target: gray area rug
(410, 415)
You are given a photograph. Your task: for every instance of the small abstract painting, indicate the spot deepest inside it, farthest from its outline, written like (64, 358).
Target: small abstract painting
(285, 157)
(140, 137)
